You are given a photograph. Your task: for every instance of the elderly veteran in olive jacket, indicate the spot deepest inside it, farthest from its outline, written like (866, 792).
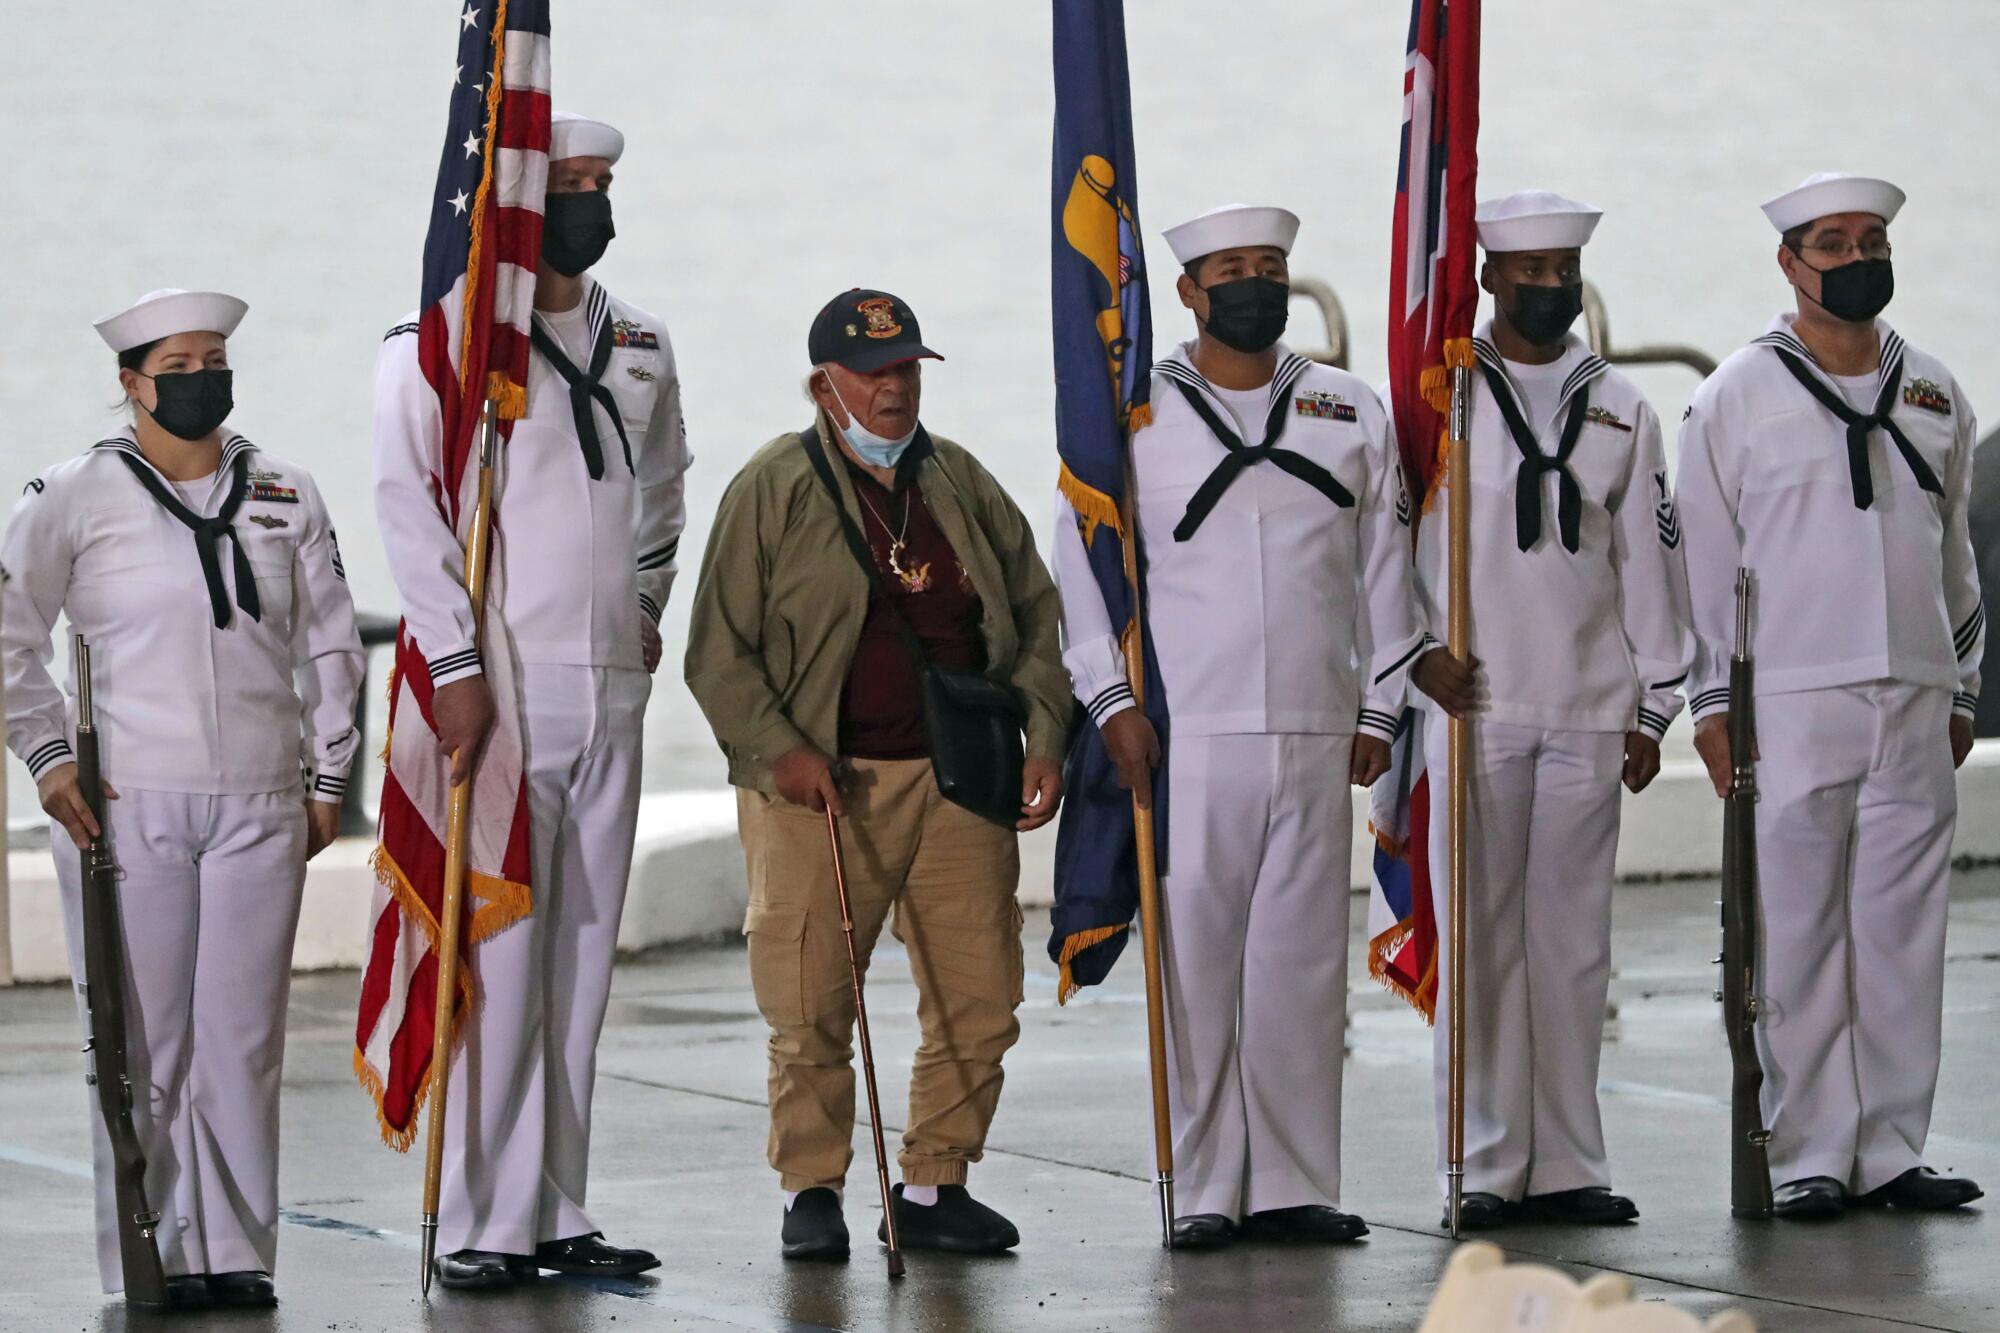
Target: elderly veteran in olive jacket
(805, 668)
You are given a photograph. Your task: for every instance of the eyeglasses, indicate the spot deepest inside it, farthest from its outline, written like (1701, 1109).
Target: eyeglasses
(1842, 249)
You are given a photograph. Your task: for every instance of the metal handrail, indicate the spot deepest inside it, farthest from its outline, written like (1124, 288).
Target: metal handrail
(1597, 332)
(1332, 315)
(376, 632)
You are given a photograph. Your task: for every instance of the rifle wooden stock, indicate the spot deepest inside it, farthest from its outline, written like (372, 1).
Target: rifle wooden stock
(1749, 1163)
(104, 997)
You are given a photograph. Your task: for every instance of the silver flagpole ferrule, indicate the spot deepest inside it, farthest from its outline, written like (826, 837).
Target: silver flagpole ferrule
(1457, 1176)
(1166, 1183)
(430, 1230)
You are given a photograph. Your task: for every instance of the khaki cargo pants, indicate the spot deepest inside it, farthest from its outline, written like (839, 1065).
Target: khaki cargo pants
(951, 878)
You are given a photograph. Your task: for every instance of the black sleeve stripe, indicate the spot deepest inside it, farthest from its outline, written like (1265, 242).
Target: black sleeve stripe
(1673, 684)
(659, 555)
(1109, 700)
(1402, 661)
(51, 755)
(454, 662)
(1967, 634)
(1709, 698)
(650, 607)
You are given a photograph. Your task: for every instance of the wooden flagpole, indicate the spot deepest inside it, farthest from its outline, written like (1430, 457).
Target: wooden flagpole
(458, 827)
(1149, 888)
(1458, 632)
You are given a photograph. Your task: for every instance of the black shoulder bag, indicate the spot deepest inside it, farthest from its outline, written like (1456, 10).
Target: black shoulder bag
(973, 723)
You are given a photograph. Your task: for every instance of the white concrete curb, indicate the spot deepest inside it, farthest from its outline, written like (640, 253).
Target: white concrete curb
(688, 882)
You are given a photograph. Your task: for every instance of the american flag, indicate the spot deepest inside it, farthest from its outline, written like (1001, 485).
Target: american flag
(472, 338)
(1432, 299)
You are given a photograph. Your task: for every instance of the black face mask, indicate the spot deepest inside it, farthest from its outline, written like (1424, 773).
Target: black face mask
(1856, 292)
(576, 229)
(1248, 314)
(1542, 315)
(192, 404)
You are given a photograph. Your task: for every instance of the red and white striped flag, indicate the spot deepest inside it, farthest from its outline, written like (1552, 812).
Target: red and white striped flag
(1432, 299)
(478, 293)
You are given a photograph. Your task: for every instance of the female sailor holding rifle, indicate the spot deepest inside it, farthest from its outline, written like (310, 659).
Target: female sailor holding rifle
(204, 576)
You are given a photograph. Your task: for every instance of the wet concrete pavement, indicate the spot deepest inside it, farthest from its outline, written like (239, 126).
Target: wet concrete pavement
(679, 1167)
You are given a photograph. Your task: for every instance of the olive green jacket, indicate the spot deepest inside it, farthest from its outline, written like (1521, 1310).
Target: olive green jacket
(778, 609)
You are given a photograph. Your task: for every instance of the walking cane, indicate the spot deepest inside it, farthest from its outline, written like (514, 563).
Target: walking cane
(867, 1047)
(1458, 631)
(458, 821)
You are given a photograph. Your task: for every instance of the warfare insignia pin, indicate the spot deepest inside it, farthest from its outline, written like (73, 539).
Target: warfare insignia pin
(1324, 405)
(630, 333)
(257, 474)
(880, 312)
(268, 521)
(1604, 416)
(641, 374)
(1929, 395)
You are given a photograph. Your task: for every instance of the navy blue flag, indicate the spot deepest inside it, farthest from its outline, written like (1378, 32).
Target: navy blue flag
(1103, 364)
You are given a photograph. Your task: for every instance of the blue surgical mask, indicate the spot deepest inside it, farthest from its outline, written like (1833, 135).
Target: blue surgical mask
(872, 449)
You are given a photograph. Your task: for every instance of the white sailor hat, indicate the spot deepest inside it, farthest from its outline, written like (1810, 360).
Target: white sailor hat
(1832, 192)
(164, 313)
(1230, 227)
(1534, 220)
(580, 136)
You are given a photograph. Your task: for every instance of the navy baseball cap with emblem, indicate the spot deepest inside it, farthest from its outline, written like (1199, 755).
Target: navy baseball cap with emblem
(865, 331)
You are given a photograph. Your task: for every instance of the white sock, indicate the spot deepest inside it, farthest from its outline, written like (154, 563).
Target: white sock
(792, 1197)
(921, 1195)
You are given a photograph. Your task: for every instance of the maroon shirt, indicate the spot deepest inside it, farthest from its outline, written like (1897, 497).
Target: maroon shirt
(882, 704)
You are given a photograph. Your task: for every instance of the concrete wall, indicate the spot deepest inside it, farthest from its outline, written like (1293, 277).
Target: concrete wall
(688, 878)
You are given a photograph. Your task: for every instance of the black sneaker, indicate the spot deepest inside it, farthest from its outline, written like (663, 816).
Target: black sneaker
(957, 1222)
(814, 1228)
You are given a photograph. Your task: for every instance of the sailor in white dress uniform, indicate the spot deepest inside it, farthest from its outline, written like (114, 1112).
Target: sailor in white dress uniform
(589, 494)
(1275, 530)
(225, 664)
(1834, 461)
(1579, 623)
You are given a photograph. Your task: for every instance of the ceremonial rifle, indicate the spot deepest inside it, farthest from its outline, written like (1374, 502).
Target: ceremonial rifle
(104, 999)
(1749, 1164)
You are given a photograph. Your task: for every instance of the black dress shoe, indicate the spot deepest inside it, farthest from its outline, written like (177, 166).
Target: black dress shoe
(1308, 1224)
(185, 1291)
(1922, 1190)
(592, 1256)
(1480, 1212)
(957, 1222)
(814, 1228)
(1591, 1206)
(476, 1270)
(1203, 1231)
(243, 1290)
(1814, 1198)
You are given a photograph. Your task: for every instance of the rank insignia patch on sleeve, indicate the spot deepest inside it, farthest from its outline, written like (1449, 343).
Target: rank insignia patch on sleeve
(1604, 416)
(1328, 406)
(1929, 395)
(629, 333)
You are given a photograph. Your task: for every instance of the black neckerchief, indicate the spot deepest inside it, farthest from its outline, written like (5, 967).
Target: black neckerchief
(1528, 477)
(583, 387)
(1241, 456)
(1859, 426)
(206, 531)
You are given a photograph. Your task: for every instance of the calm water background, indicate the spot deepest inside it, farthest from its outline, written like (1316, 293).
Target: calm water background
(778, 153)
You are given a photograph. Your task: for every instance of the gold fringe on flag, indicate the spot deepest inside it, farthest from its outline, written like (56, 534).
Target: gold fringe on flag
(1435, 385)
(1066, 984)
